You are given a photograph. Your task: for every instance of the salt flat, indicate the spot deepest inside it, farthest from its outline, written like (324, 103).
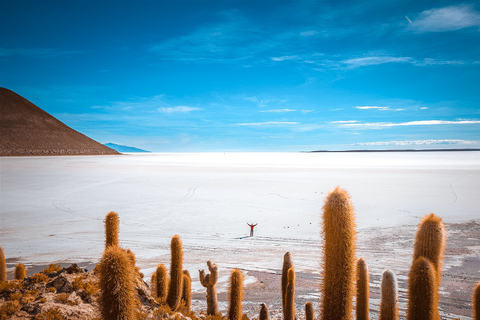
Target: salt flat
(52, 208)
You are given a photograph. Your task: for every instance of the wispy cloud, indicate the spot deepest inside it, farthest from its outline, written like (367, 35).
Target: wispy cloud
(408, 123)
(344, 121)
(279, 110)
(268, 123)
(417, 142)
(178, 109)
(35, 52)
(378, 108)
(374, 60)
(446, 19)
(139, 103)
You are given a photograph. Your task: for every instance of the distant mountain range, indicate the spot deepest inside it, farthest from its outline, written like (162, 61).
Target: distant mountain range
(121, 148)
(27, 130)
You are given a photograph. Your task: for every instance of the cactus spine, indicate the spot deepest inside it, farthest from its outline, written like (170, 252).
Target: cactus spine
(389, 297)
(339, 256)
(176, 274)
(117, 294)
(363, 291)
(309, 314)
(161, 284)
(430, 242)
(20, 272)
(476, 302)
(289, 312)
(187, 290)
(235, 295)
(111, 229)
(287, 264)
(264, 314)
(421, 291)
(3, 266)
(209, 281)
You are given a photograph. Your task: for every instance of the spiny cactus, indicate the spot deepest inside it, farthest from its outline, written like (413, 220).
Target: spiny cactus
(161, 284)
(430, 242)
(421, 291)
(176, 274)
(187, 290)
(339, 256)
(20, 272)
(153, 284)
(363, 290)
(111, 229)
(264, 314)
(287, 264)
(117, 294)
(235, 295)
(209, 281)
(309, 314)
(389, 297)
(3, 266)
(289, 312)
(476, 301)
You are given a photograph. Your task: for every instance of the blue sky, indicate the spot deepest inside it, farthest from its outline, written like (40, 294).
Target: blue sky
(250, 75)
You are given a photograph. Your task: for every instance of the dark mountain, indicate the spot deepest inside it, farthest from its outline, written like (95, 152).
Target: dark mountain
(27, 130)
(121, 148)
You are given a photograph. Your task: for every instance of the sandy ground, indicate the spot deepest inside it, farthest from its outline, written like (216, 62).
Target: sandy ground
(52, 210)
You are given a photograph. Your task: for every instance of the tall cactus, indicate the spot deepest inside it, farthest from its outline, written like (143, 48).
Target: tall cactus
(264, 314)
(289, 312)
(389, 297)
(339, 256)
(3, 266)
(430, 242)
(162, 283)
(209, 281)
(187, 290)
(176, 274)
(117, 293)
(235, 295)
(153, 284)
(20, 272)
(421, 291)
(287, 264)
(363, 290)
(309, 314)
(476, 301)
(111, 229)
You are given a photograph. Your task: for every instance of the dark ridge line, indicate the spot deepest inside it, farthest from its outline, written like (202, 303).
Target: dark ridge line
(398, 150)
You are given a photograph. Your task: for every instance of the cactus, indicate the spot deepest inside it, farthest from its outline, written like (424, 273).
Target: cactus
(289, 309)
(187, 290)
(111, 229)
(476, 301)
(287, 264)
(264, 314)
(3, 266)
(153, 284)
(117, 294)
(161, 284)
(339, 256)
(209, 281)
(389, 297)
(363, 290)
(430, 242)
(235, 295)
(309, 314)
(421, 291)
(20, 272)
(176, 274)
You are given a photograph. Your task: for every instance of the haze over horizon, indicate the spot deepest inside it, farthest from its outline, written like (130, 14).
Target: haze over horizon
(169, 76)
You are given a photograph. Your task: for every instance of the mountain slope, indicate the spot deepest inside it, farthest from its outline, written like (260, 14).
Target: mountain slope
(121, 148)
(25, 129)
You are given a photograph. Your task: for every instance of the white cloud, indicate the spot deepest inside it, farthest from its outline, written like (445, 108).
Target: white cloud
(446, 19)
(344, 121)
(409, 123)
(378, 108)
(178, 109)
(279, 110)
(417, 142)
(267, 123)
(374, 60)
(284, 58)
